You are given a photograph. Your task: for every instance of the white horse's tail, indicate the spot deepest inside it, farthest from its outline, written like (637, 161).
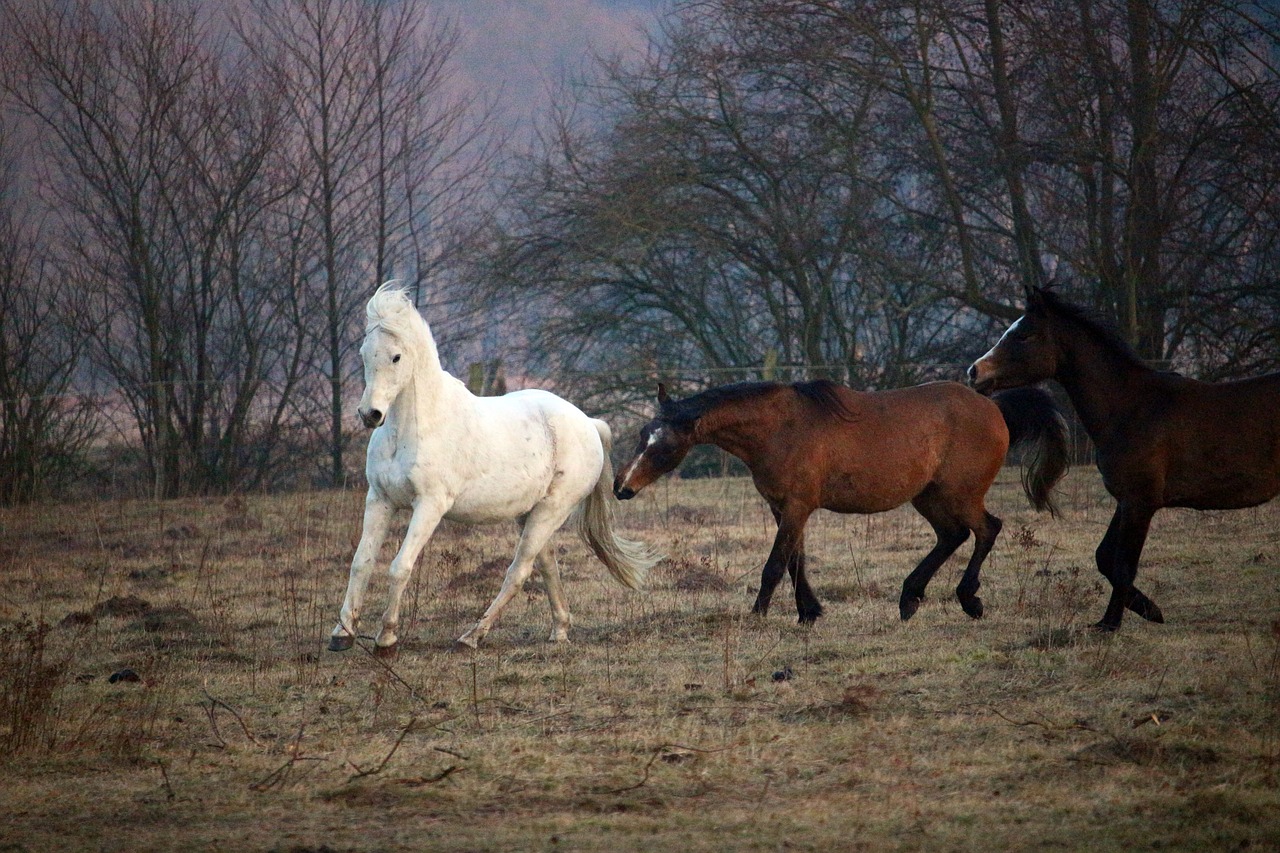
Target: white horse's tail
(626, 560)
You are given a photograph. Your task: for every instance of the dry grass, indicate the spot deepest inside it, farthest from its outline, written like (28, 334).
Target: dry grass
(673, 720)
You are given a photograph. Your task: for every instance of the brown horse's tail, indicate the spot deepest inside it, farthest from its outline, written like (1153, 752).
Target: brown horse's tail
(1032, 416)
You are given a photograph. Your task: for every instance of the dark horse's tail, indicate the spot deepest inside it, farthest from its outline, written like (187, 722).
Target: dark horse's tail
(1033, 416)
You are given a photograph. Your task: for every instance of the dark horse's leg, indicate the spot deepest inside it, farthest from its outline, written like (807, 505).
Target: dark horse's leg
(967, 591)
(788, 555)
(1117, 557)
(951, 535)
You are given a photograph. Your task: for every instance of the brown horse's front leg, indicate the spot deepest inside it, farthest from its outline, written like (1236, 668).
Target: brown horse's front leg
(1117, 557)
(787, 556)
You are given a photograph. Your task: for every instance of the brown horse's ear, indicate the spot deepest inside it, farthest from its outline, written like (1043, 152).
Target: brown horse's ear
(1035, 297)
(662, 394)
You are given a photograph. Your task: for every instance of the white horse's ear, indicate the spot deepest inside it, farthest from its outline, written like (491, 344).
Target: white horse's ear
(662, 394)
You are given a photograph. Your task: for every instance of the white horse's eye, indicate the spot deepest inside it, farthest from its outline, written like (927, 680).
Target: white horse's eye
(395, 358)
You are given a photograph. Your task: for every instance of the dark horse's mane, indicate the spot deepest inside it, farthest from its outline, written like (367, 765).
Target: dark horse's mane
(822, 393)
(1092, 324)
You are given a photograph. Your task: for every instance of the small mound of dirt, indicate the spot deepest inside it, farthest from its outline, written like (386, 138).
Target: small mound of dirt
(688, 576)
(121, 606)
(480, 578)
(174, 619)
(77, 618)
(856, 701)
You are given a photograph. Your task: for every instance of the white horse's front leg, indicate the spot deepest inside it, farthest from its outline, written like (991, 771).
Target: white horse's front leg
(426, 515)
(377, 518)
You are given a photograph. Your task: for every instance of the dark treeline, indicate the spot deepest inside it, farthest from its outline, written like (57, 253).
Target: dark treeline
(197, 202)
(863, 187)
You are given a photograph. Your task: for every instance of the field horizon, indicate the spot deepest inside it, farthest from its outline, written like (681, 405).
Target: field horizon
(165, 686)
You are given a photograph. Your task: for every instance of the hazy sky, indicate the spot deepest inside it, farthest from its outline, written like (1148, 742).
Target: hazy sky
(517, 50)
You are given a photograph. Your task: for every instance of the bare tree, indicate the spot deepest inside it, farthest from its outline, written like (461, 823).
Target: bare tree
(390, 156)
(45, 427)
(159, 147)
(734, 209)
(868, 185)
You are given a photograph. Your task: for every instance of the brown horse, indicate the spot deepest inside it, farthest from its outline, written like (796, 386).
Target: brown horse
(818, 445)
(1162, 439)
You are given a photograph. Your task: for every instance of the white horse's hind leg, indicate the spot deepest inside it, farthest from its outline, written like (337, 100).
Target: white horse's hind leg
(422, 524)
(550, 571)
(538, 528)
(377, 518)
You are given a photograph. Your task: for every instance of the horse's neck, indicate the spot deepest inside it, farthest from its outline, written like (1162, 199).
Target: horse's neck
(1104, 386)
(423, 395)
(734, 427)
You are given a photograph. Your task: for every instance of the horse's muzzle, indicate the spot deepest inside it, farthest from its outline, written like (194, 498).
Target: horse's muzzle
(981, 385)
(372, 418)
(624, 493)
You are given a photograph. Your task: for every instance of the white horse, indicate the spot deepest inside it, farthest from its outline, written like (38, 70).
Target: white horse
(443, 452)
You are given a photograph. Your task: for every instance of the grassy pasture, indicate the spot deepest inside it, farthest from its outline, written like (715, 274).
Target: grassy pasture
(672, 720)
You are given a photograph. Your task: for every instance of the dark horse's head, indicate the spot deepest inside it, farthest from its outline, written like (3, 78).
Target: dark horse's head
(1027, 353)
(664, 442)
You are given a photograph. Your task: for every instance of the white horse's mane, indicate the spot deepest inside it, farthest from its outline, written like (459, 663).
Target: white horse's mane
(391, 310)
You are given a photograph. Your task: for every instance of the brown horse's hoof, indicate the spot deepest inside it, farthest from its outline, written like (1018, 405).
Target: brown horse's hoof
(972, 607)
(1146, 608)
(908, 605)
(341, 642)
(387, 652)
(810, 614)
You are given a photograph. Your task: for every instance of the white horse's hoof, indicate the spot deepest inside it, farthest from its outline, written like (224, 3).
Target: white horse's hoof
(341, 642)
(387, 652)
(467, 641)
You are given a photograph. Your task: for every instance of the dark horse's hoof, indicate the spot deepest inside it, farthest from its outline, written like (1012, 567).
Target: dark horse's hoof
(810, 613)
(972, 606)
(1146, 608)
(1105, 628)
(908, 605)
(340, 643)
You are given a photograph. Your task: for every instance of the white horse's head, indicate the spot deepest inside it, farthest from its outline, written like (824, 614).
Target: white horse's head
(396, 339)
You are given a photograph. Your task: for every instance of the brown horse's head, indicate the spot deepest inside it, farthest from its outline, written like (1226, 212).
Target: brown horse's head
(1027, 353)
(664, 442)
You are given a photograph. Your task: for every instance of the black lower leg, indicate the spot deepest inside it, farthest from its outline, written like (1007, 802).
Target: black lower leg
(967, 591)
(914, 586)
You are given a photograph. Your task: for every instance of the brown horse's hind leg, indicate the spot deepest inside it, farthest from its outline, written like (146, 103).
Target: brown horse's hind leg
(984, 539)
(807, 605)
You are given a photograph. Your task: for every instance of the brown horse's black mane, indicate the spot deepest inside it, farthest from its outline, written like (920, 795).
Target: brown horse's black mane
(1092, 324)
(822, 393)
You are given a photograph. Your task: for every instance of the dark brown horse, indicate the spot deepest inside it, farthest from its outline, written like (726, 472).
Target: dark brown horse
(1162, 439)
(818, 445)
